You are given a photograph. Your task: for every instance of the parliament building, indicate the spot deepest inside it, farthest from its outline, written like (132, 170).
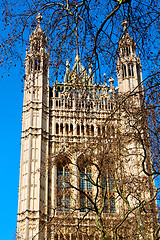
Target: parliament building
(81, 171)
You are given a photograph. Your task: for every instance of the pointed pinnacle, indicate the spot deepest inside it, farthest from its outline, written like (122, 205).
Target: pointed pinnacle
(124, 24)
(39, 18)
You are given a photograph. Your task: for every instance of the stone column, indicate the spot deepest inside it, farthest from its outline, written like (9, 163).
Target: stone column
(54, 186)
(75, 182)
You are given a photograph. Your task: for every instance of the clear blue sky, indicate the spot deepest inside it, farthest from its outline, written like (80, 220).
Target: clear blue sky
(10, 121)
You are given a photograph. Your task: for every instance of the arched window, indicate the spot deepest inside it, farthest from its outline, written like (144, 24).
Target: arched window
(61, 128)
(71, 129)
(87, 129)
(86, 102)
(82, 130)
(66, 102)
(67, 177)
(57, 128)
(129, 70)
(78, 130)
(127, 51)
(103, 130)
(132, 70)
(66, 129)
(99, 131)
(111, 106)
(82, 103)
(85, 186)
(92, 130)
(63, 188)
(82, 179)
(107, 181)
(62, 101)
(97, 105)
(106, 102)
(37, 64)
(124, 72)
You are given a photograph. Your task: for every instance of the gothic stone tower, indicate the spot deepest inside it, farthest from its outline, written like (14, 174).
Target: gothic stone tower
(35, 138)
(59, 122)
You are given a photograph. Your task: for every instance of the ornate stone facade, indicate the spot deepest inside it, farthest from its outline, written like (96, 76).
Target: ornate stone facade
(59, 122)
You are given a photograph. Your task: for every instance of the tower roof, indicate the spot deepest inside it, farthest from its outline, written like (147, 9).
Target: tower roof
(78, 74)
(125, 39)
(38, 33)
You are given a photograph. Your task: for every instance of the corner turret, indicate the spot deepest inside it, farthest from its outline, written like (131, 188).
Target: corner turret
(128, 64)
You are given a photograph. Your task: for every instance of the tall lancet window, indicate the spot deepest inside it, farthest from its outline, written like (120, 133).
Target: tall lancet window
(37, 64)
(85, 183)
(63, 188)
(107, 183)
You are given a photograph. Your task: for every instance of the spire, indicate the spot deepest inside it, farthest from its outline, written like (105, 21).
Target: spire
(39, 19)
(128, 64)
(37, 57)
(38, 38)
(126, 39)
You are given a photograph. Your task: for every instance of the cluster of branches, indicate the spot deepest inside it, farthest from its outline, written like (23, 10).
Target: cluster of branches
(99, 30)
